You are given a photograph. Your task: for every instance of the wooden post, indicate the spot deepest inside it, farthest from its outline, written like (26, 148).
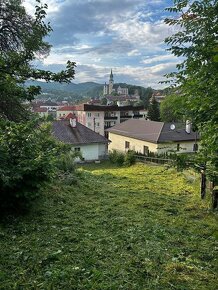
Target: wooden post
(203, 184)
(215, 198)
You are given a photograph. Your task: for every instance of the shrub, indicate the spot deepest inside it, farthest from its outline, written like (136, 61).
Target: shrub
(130, 158)
(120, 158)
(27, 159)
(66, 162)
(116, 157)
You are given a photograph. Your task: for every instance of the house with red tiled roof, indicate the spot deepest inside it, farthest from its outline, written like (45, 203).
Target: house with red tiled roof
(92, 145)
(145, 136)
(42, 112)
(63, 111)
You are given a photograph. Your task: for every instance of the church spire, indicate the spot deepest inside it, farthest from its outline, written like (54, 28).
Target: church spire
(111, 76)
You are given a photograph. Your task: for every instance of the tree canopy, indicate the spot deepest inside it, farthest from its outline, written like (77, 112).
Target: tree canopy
(154, 110)
(195, 40)
(27, 149)
(21, 42)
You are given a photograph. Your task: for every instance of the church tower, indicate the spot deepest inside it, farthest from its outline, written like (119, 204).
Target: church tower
(111, 83)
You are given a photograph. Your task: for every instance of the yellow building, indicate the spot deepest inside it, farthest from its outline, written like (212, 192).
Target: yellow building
(145, 136)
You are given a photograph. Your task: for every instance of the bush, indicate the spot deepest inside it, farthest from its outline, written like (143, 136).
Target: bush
(66, 162)
(120, 158)
(27, 159)
(130, 158)
(116, 157)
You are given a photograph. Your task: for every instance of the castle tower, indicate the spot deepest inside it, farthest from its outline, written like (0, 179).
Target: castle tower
(111, 83)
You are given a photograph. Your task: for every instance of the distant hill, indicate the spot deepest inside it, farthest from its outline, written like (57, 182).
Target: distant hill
(82, 89)
(75, 92)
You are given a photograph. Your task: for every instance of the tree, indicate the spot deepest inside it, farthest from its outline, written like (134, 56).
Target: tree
(197, 75)
(21, 42)
(171, 108)
(153, 110)
(27, 149)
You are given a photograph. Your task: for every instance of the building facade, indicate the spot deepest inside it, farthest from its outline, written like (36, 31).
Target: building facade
(109, 88)
(145, 136)
(99, 118)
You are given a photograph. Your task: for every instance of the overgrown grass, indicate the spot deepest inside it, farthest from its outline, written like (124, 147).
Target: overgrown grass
(140, 227)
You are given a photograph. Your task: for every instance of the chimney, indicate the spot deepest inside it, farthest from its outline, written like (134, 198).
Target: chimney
(73, 122)
(188, 126)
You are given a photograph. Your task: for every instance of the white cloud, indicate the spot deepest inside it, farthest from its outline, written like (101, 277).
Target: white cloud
(159, 58)
(142, 34)
(53, 5)
(134, 52)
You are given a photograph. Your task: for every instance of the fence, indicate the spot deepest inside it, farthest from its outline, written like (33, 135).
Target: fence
(156, 160)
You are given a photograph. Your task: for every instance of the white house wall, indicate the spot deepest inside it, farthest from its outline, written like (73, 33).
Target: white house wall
(92, 151)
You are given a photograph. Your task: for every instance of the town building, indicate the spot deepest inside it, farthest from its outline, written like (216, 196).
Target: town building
(42, 112)
(99, 118)
(145, 136)
(62, 112)
(91, 145)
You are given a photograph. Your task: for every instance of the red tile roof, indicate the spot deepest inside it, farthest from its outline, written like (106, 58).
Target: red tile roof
(40, 110)
(69, 116)
(67, 108)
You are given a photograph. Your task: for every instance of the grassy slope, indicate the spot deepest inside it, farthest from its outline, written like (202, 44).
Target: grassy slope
(128, 228)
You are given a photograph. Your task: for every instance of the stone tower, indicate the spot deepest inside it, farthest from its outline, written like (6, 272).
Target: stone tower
(111, 83)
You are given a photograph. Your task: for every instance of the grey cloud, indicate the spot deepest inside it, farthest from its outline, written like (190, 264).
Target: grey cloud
(82, 17)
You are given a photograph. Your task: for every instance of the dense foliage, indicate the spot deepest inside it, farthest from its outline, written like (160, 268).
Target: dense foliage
(171, 108)
(197, 76)
(27, 157)
(21, 42)
(154, 110)
(120, 158)
(27, 150)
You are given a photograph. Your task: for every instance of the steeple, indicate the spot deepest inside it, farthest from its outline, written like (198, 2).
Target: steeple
(111, 76)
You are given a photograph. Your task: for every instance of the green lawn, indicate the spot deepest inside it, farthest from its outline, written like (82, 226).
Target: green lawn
(116, 228)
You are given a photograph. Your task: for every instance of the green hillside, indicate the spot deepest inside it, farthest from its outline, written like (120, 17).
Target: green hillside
(74, 91)
(140, 227)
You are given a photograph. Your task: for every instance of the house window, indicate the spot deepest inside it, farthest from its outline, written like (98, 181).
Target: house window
(195, 147)
(77, 149)
(97, 114)
(127, 145)
(97, 124)
(89, 114)
(177, 147)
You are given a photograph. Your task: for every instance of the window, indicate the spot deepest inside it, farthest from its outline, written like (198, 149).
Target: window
(195, 147)
(178, 147)
(77, 149)
(127, 145)
(97, 124)
(89, 114)
(97, 114)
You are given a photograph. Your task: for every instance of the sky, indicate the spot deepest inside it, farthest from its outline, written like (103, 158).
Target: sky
(126, 36)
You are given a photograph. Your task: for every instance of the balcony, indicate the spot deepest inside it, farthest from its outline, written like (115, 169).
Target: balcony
(110, 118)
(138, 116)
(126, 117)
